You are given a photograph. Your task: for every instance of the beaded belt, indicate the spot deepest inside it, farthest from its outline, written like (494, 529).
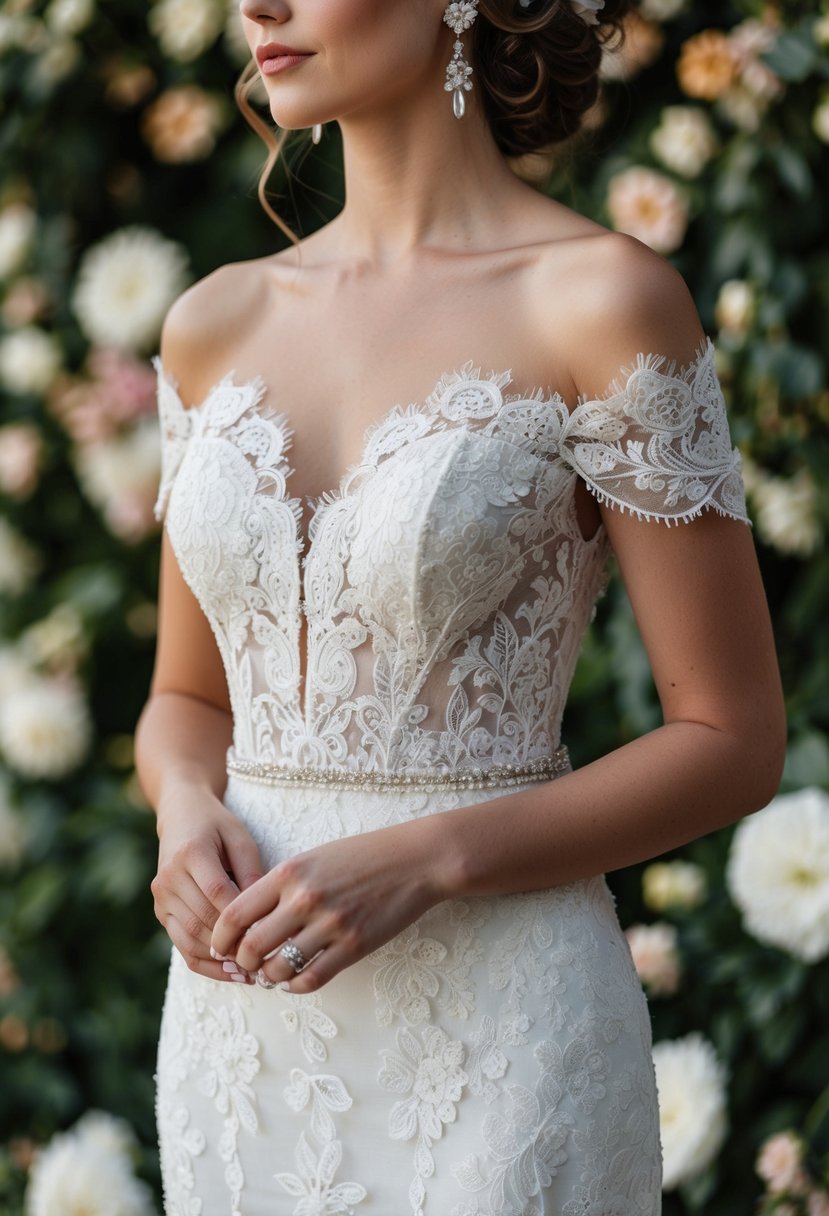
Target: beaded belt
(543, 769)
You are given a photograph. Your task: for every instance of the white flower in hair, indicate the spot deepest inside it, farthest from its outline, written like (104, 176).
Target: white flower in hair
(588, 10)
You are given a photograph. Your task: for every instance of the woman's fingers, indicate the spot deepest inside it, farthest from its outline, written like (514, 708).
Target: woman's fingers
(196, 957)
(243, 858)
(318, 971)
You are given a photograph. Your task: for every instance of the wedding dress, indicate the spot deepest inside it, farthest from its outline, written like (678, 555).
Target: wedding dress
(494, 1058)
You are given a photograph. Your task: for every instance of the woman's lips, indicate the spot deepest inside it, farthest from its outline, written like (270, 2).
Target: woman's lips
(279, 63)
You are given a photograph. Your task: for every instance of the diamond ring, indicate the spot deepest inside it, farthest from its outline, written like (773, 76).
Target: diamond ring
(263, 981)
(294, 955)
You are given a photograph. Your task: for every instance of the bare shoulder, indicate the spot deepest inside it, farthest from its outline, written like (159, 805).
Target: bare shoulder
(621, 299)
(204, 322)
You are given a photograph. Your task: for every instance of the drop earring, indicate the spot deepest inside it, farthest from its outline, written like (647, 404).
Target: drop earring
(459, 16)
(316, 133)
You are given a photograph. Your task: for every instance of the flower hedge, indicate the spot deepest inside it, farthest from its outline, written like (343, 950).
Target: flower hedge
(125, 174)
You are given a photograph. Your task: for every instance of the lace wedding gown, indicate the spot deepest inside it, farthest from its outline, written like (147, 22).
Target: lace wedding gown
(494, 1058)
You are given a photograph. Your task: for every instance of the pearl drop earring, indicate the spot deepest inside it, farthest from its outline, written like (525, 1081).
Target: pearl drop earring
(316, 133)
(459, 16)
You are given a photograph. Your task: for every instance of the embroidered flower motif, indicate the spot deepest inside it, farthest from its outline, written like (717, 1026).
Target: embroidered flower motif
(313, 1185)
(311, 1022)
(325, 1092)
(407, 976)
(432, 1076)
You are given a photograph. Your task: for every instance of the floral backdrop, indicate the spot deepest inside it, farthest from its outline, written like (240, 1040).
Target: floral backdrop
(126, 173)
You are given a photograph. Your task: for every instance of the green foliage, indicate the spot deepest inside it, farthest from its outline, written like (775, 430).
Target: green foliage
(82, 959)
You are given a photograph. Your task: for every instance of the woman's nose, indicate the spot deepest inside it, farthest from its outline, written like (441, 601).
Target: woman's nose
(265, 10)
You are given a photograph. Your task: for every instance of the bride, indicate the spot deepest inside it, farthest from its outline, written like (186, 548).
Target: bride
(397, 457)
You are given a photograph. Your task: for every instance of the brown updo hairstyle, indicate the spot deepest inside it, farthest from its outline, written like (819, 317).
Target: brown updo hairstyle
(536, 67)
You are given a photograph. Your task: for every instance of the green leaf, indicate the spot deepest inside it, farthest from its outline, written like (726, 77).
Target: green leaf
(794, 56)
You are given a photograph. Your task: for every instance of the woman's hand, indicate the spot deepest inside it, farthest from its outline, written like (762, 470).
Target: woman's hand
(337, 902)
(205, 858)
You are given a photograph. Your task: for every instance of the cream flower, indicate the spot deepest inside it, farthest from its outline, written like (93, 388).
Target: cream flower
(79, 1173)
(57, 642)
(735, 306)
(684, 140)
(820, 118)
(21, 449)
(17, 229)
(182, 124)
(29, 360)
(662, 10)
(673, 884)
(120, 476)
(786, 513)
(655, 957)
(126, 284)
(19, 562)
(69, 16)
(45, 728)
(692, 1107)
(778, 873)
(186, 28)
(779, 1162)
(648, 205)
(642, 46)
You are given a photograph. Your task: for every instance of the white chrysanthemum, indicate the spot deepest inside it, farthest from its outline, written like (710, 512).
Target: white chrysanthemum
(661, 10)
(692, 1107)
(29, 360)
(684, 140)
(186, 28)
(786, 514)
(125, 285)
(45, 728)
(673, 884)
(17, 229)
(778, 873)
(648, 205)
(12, 831)
(78, 1174)
(107, 1134)
(121, 475)
(735, 306)
(69, 16)
(19, 562)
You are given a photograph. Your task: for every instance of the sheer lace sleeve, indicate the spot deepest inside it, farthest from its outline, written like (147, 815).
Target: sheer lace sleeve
(175, 422)
(658, 444)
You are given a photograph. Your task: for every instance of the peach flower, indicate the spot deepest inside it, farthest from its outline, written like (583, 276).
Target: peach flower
(182, 124)
(648, 205)
(21, 450)
(779, 1162)
(707, 65)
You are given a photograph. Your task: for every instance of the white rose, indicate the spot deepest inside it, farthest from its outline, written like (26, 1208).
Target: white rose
(45, 728)
(673, 884)
(69, 16)
(649, 206)
(735, 305)
(186, 28)
(692, 1107)
(17, 229)
(778, 873)
(19, 562)
(29, 360)
(655, 956)
(76, 1173)
(125, 285)
(786, 514)
(684, 140)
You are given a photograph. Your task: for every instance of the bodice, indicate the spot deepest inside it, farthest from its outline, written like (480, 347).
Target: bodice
(446, 584)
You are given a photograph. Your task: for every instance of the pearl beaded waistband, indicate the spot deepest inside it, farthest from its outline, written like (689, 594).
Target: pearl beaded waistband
(543, 769)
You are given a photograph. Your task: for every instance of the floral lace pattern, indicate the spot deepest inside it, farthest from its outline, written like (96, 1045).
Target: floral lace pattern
(446, 583)
(494, 1058)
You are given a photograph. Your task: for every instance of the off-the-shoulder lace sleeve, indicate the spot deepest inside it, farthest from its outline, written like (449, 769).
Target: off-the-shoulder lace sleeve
(658, 443)
(175, 422)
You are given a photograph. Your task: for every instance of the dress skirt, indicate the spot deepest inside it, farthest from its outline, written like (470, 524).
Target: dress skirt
(493, 1059)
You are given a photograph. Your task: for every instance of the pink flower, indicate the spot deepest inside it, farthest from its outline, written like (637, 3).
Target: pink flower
(20, 454)
(779, 1162)
(655, 957)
